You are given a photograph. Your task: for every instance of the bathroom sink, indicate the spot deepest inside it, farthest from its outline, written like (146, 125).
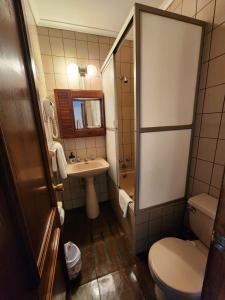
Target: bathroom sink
(88, 168)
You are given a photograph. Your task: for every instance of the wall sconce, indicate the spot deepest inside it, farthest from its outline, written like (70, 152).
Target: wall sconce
(91, 70)
(82, 71)
(73, 70)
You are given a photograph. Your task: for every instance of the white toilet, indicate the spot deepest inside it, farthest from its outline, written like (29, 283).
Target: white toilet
(178, 266)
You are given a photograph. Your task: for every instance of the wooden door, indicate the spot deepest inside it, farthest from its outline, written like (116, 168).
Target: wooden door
(15, 272)
(214, 283)
(25, 168)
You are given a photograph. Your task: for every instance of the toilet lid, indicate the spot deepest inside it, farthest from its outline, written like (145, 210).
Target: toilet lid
(179, 264)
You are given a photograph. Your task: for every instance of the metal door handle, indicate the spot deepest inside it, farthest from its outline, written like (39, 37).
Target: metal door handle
(219, 241)
(58, 187)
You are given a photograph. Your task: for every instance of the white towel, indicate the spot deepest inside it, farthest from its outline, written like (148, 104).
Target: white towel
(61, 212)
(54, 163)
(61, 215)
(124, 201)
(59, 204)
(61, 160)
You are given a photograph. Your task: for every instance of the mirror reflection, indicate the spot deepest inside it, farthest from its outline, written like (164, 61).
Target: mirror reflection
(87, 113)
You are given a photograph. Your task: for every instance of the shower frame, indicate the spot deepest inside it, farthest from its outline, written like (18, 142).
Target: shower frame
(134, 19)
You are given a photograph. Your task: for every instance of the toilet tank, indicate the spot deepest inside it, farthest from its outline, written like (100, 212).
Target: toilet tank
(202, 212)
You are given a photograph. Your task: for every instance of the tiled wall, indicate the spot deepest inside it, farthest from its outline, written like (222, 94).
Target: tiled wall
(36, 56)
(208, 152)
(125, 101)
(156, 223)
(58, 49)
(91, 147)
(74, 189)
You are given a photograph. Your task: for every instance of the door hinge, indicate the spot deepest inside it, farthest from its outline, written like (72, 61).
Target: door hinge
(58, 187)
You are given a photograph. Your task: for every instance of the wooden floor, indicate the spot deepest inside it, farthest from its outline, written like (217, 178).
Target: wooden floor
(109, 270)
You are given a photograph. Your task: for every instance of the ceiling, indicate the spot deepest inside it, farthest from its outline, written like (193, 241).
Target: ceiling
(103, 17)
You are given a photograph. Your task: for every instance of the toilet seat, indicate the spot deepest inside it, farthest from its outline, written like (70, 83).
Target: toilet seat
(178, 266)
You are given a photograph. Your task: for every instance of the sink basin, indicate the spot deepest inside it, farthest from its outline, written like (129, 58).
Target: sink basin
(88, 169)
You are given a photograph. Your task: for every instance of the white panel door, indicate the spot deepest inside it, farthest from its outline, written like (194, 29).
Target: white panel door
(169, 53)
(111, 149)
(108, 83)
(163, 166)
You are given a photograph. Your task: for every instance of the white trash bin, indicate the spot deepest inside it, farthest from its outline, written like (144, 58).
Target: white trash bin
(73, 259)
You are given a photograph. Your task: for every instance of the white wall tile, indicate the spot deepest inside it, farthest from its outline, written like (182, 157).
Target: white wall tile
(69, 48)
(45, 45)
(57, 46)
(93, 50)
(82, 49)
(59, 65)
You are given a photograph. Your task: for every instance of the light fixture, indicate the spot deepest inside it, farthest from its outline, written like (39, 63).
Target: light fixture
(82, 71)
(72, 70)
(89, 70)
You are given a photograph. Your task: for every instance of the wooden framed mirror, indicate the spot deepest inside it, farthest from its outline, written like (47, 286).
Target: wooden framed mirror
(80, 113)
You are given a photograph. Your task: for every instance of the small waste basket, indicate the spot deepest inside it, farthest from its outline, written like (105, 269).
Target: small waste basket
(73, 259)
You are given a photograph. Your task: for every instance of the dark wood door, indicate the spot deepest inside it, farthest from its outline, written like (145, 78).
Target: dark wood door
(15, 279)
(214, 283)
(27, 185)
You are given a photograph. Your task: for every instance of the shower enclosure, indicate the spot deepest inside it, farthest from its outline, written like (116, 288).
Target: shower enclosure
(163, 87)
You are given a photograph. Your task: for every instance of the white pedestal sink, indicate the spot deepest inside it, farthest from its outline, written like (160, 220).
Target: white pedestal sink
(89, 169)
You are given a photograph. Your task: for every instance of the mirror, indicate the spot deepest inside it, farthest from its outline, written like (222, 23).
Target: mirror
(87, 113)
(80, 113)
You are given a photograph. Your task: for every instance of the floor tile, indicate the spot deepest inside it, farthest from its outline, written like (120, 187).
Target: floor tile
(88, 291)
(88, 271)
(118, 285)
(104, 263)
(109, 269)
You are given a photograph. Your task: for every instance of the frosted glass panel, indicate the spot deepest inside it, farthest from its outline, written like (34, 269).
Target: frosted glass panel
(169, 65)
(111, 150)
(108, 83)
(163, 166)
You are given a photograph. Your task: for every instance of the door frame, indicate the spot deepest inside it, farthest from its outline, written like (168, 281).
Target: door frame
(36, 104)
(35, 100)
(35, 266)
